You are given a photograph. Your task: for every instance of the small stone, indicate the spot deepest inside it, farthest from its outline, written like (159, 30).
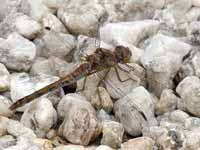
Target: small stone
(3, 125)
(162, 59)
(51, 22)
(43, 143)
(102, 115)
(189, 89)
(5, 103)
(113, 33)
(193, 32)
(112, 134)
(70, 147)
(135, 110)
(17, 56)
(196, 3)
(27, 27)
(40, 116)
(168, 102)
(52, 43)
(7, 141)
(81, 17)
(141, 143)
(80, 124)
(4, 78)
(17, 129)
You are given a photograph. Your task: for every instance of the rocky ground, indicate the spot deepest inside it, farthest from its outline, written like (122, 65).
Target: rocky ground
(153, 103)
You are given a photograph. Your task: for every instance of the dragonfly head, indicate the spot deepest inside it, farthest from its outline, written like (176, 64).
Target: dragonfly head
(123, 54)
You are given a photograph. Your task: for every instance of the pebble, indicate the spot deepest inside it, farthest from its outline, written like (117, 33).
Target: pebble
(112, 134)
(5, 103)
(4, 78)
(40, 116)
(133, 114)
(80, 124)
(15, 56)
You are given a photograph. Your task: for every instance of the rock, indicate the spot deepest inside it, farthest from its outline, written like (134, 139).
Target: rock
(135, 110)
(17, 129)
(52, 4)
(5, 103)
(80, 124)
(102, 115)
(105, 102)
(27, 27)
(112, 134)
(192, 14)
(51, 22)
(4, 78)
(162, 59)
(114, 33)
(193, 32)
(70, 147)
(20, 23)
(141, 143)
(3, 125)
(40, 116)
(7, 141)
(37, 9)
(122, 79)
(196, 3)
(103, 147)
(54, 44)
(81, 17)
(167, 103)
(24, 143)
(188, 89)
(22, 85)
(17, 56)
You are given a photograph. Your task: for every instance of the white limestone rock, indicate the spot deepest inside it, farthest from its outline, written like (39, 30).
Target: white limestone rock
(7, 141)
(17, 129)
(82, 16)
(140, 143)
(27, 27)
(167, 103)
(135, 110)
(40, 116)
(4, 78)
(112, 134)
(196, 3)
(52, 43)
(193, 32)
(189, 89)
(17, 53)
(5, 103)
(80, 124)
(162, 59)
(22, 84)
(51, 22)
(128, 32)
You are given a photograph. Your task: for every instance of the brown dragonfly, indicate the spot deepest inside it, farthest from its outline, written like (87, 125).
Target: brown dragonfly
(100, 60)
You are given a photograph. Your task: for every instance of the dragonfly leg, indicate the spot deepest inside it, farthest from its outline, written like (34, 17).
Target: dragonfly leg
(118, 76)
(83, 87)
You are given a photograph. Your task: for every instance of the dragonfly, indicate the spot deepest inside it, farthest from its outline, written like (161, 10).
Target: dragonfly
(101, 59)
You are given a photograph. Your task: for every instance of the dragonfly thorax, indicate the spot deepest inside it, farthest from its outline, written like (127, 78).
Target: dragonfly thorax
(123, 54)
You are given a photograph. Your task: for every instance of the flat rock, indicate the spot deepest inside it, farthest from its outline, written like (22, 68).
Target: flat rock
(162, 59)
(17, 56)
(114, 33)
(81, 17)
(135, 111)
(4, 78)
(188, 89)
(40, 116)
(141, 143)
(112, 134)
(17, 129)
(5, 103)
(80, 124)
(52, 43)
